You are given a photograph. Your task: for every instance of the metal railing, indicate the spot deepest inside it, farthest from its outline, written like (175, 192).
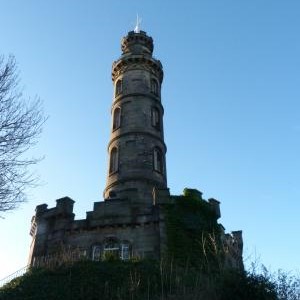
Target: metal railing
(13, 276)
(48, 261)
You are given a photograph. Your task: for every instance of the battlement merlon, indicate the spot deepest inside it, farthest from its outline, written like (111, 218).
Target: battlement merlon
(62, 213)
(40, 209)
(238, 237)
(215, 204)
(64, 207)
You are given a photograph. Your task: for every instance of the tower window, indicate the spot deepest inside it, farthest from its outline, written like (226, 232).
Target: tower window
(154, 87)
(117, 118)
(113, 163)
(155, 118)
(158, 160)
(119, 87)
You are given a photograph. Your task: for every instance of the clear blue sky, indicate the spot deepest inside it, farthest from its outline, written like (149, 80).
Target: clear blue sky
(231, 94)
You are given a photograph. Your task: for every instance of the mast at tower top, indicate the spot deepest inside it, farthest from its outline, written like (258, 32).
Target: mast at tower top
(137, 27)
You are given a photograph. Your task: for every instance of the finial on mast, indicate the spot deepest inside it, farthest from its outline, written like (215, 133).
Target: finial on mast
(138, 24)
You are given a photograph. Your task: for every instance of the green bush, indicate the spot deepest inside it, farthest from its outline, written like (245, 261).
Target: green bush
(193, 234)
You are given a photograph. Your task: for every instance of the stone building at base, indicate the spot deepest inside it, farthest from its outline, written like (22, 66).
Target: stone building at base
(130, 221)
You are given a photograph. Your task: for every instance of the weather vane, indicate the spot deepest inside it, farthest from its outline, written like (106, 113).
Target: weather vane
(138, 24)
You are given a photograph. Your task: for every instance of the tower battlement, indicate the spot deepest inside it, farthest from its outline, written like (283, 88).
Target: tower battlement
(137, 43)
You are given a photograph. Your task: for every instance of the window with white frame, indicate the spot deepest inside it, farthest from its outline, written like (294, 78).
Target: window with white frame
(124, 251)
(96, 252)
(111, 248)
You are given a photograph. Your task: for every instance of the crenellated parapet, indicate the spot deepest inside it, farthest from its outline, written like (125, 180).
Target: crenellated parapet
(50, 224)
(233, 246)
(137, 43)
(141, 229)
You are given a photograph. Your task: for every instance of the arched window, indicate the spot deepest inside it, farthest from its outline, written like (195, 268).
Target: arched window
(113, 162)
(118, 87)
(111, 248)
(154, 87)
(117, 118)
(158, 162)
(96, 252)
(155, 118)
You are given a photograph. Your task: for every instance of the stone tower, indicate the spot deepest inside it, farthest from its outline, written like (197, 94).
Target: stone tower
(131, 222)
(136, 148)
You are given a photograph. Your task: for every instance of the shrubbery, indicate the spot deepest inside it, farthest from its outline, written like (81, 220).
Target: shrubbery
(144, 280)
(193, 233)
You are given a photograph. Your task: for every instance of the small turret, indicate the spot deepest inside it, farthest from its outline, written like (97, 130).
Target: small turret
(40, 209)
(215, 204)
(137, 43)
(65, 205)
(238, 238)
(49, 224)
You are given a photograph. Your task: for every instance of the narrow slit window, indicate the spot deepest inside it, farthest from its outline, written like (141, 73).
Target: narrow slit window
(119, 87)
(155, 118)
(113, 163)
(158, 161)
(154, 87)
(117, 118)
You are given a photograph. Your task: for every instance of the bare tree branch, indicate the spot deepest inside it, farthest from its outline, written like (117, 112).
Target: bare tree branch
(21, 123)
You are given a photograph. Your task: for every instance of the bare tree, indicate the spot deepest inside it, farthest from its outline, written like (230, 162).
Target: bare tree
(20, 126)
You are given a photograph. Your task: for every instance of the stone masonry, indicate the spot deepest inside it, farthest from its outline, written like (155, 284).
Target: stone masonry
(129, 222)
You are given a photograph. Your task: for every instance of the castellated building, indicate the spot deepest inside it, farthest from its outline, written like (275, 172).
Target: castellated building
(130, 221)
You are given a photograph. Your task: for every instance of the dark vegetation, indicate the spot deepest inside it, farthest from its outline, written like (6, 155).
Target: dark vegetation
(117, 280)
(192, 269)
(193, 234)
